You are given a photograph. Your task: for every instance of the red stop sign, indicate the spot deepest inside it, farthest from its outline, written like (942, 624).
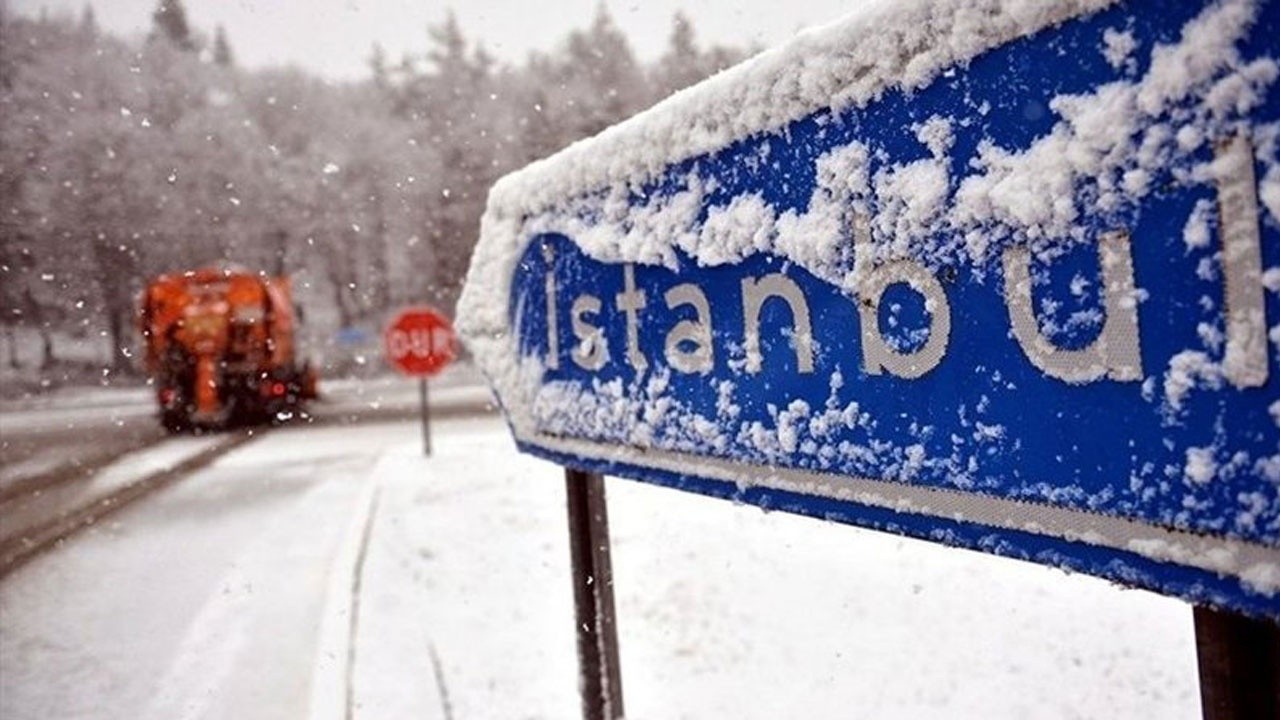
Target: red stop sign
(419, 342)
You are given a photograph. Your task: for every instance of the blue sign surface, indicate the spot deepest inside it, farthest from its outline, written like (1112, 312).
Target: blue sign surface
(1028, 304)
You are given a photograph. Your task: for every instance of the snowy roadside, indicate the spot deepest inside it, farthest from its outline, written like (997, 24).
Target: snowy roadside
(30, 511)
(726, 611)
(230, 594)
(89, 396)
(45, 434)
(388, 386)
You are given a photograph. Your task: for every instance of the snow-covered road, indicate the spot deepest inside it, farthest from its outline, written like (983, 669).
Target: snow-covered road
(230, 595)
(75, 428)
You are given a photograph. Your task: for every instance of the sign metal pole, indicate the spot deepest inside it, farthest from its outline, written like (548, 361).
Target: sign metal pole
(1239, 661)
(426, 416)
(599, 671)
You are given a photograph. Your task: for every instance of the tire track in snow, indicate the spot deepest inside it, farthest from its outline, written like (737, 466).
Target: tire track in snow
(338, 665)
(357, 578)
(237, 656)
(353, 627)
(74, 469)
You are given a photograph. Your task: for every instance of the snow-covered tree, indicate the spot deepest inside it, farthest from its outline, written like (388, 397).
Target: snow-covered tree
(122, 160)
(170, 22)
(88, 22)
(683, 63)
(222, 54)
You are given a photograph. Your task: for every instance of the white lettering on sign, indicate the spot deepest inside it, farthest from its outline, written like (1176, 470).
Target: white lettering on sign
(631, 301)
(754, 294)
(441, 340)
(591, 352)
(553, 331)
(418, 343)
(877, 354)
(1245, 364)
(1115, 354)
(701, 359)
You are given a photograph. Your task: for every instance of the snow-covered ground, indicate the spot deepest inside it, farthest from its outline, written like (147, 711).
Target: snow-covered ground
(230, 595)
(70, 426)
(30, 510)
(97, 400)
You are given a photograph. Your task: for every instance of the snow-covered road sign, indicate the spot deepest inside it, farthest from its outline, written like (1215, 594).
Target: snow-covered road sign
(419, 342)
(1003, 275)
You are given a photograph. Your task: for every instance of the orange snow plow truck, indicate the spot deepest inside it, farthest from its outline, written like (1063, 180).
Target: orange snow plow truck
(220, 348)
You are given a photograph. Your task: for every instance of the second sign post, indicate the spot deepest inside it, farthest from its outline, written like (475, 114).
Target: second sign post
(420, 343)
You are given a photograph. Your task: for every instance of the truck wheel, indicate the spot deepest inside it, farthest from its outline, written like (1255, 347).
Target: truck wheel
(174, 423)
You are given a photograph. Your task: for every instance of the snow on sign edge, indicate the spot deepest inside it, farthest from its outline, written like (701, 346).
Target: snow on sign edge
(848, 64)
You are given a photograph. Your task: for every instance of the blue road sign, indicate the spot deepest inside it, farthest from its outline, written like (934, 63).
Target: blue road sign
(1005, 277)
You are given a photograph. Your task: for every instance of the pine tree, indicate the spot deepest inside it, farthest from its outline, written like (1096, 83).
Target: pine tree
(450, 53)
(222, 49)
(378, 66)
(88, 22)
(681, 65)
(605, 80)
(682, 39)
(684, 63)
(171, 22)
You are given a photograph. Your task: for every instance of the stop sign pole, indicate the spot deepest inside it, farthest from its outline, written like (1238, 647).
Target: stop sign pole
(425, 408)
(420, 342)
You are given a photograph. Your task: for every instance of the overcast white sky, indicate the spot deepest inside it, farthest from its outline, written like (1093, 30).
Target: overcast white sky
(333, 37)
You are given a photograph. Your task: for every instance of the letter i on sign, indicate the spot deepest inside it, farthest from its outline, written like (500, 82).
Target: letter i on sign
(553, 338)
(1245, 364)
